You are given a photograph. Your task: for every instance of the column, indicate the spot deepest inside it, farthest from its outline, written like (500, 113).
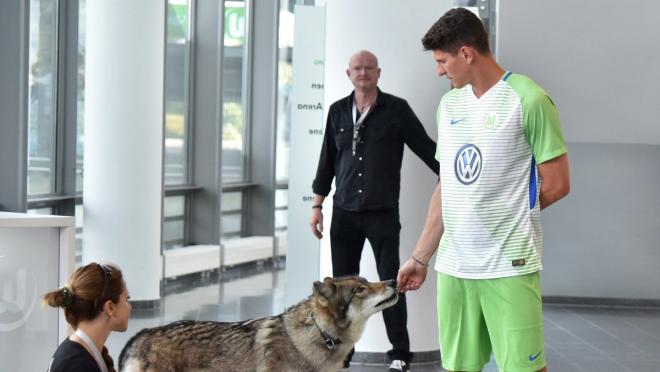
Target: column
(393, 34)
(307, 125)
(123, 171)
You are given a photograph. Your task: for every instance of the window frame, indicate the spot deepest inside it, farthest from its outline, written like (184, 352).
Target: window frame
(188, 98)
(55, 171)
(63, 196)
(246, 91)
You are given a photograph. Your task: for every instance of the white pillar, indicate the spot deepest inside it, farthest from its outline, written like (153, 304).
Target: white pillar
(392, 31)
(123, 182)
(307, 126)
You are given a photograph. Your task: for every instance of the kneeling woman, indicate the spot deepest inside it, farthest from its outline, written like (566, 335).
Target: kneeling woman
(95, 303)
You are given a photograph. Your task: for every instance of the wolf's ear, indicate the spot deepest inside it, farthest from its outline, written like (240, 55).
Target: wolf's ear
(323, 291)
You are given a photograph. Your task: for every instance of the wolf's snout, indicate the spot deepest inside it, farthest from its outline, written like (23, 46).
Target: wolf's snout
(392, 283)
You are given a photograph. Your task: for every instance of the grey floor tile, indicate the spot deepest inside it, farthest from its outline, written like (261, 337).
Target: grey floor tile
(642, 365)
(578, 339)
(425, 367)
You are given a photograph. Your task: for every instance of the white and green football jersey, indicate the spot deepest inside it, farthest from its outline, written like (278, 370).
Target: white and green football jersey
(488, 148)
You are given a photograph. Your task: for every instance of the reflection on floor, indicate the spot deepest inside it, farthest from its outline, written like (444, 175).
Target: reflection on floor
(577, 338)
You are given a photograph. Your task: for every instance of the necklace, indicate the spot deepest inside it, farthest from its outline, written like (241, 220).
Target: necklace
(92, 347)
(361, 108)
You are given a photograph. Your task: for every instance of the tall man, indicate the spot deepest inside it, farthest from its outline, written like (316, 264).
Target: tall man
(502, 160)
(363, 149)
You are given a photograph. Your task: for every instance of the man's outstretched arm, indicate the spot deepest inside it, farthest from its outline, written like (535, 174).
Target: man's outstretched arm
(413, 272)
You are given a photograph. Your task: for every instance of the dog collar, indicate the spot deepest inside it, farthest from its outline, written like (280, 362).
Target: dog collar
(328, 341)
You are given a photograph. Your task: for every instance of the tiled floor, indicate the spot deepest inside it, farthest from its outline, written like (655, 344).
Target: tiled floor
(578, 339)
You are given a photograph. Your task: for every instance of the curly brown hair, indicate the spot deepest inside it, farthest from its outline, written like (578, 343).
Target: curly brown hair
(456, 28)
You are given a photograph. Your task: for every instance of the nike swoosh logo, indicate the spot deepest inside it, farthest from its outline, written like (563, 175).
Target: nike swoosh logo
(454, 121)
(533, 357)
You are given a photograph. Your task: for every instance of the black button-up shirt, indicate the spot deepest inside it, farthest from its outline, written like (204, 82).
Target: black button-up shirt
(370, 179)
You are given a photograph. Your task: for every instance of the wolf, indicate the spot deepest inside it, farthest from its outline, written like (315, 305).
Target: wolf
(315, 335)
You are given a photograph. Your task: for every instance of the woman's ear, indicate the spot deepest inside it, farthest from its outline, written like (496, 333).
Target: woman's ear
(109, 307)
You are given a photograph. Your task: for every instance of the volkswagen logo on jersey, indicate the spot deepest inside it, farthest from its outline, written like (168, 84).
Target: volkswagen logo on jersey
(467, 164)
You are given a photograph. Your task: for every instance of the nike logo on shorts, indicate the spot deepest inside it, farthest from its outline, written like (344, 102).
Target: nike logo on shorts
(534, 357)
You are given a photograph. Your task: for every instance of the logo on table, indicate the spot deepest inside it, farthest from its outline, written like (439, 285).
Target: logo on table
(467, 164)
(18, 295)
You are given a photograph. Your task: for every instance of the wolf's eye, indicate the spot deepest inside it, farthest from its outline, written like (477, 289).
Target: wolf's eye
(359, 289)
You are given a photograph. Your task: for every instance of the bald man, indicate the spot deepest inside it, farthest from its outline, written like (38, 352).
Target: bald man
(363, 149)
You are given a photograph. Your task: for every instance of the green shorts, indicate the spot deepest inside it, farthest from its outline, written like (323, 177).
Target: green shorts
(503, 315)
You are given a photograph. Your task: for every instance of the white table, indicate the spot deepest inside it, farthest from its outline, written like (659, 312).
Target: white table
(36, 256)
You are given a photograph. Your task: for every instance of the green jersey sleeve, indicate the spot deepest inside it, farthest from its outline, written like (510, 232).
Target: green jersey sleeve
(540, 120)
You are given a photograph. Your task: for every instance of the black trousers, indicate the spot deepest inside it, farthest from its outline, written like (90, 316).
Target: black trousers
(348, 231)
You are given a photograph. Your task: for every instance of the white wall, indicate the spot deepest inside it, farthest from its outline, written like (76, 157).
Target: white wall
(599, 62)
(392, 30)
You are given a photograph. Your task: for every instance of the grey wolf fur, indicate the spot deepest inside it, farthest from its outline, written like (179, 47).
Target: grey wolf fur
(296, 340)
